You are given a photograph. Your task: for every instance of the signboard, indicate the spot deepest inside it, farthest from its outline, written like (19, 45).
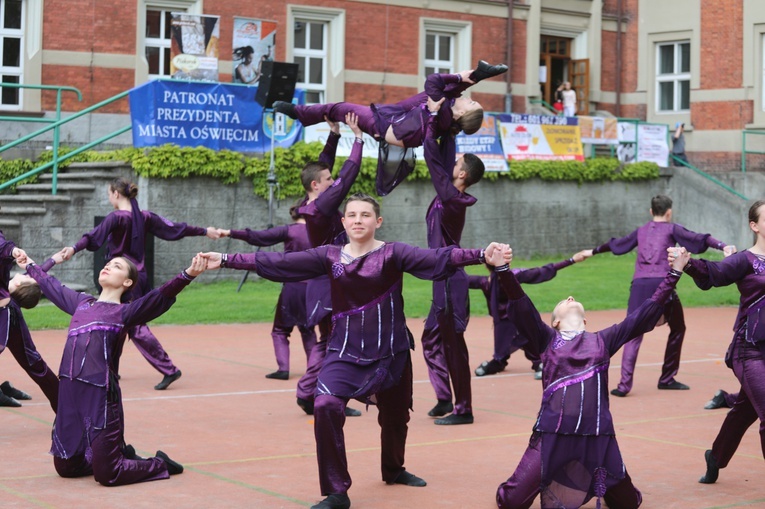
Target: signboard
(254, 43)
(540, 137)
(599, 130)
(652, 144)
(194, 46)
(485, 143)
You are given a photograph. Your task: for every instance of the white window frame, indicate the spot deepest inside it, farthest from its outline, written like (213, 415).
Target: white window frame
(462, 36)
(308, 53)
(676, 77)
(442, 63)
(14, 71)
(158, 42)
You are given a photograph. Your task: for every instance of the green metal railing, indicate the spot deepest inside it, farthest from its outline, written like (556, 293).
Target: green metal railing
(708, 177)
(744, 151)
(546, 105)
(55, 125)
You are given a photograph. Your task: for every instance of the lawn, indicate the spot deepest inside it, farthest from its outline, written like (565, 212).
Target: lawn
(601, 282)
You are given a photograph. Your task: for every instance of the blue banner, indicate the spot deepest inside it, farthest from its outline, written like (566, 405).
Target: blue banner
(525, 118)
(213, 115)
(485, 144)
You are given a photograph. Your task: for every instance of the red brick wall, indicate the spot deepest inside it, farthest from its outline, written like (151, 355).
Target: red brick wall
(721, 114)
(721, 161)
(721, 42)
(95, 83)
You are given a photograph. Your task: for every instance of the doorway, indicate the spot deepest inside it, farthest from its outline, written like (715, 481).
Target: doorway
(557, 66)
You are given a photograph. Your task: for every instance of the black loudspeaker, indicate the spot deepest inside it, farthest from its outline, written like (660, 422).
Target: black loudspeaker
(277, 83)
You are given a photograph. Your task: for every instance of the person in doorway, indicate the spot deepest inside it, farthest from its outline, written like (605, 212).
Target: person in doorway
(568, 97)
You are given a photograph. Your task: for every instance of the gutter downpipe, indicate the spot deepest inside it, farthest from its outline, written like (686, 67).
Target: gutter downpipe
(509, 50)
(618, 58)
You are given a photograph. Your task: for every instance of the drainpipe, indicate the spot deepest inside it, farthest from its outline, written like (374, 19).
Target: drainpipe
(510, 63)
(618, 58)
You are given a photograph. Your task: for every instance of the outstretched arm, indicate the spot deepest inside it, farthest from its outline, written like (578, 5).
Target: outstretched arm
(282, 267)
(94, 239)
(618, 246)
(707, 274)
(169, 230)
(66, 299)
(260, 238)
(330, 200)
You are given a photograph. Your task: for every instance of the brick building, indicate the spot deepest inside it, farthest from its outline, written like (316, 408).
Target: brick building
(700, 62)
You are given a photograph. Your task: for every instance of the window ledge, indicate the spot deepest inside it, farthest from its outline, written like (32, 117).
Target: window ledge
(17, 113)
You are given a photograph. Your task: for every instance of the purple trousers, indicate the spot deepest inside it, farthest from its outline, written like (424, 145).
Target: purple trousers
(306, 386)
(107, 463)
(749, 368)
(280, 336)
(507, 341)
(522, 488)
(150, 347)
(393, 417)
(673, 313)
(314, 114)
(446, 356)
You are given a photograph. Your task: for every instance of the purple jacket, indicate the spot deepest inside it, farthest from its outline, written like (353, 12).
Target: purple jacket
(294, 236)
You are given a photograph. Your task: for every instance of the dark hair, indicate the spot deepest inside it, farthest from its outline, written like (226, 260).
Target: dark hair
(366, 199)
(294, 208)
(660, 204)
(470, 121)
(311, 173)
(242, 52)
(125, 187)
(27, 295)
(132, 272)
(473, 167)
(754, 214)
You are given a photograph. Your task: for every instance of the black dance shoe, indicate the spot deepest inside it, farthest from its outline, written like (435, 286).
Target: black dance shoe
(454, 419)
(443, 407)
(173, 467)
(10, 390)
(484, 70)
(491, 367)
(6, 400)
(306, 405)
(129, 453)
(352, 412)
(717, 401)
(409, 479)
(674, 385)
(710, 477)
(167, 380)
(334, 501)
(286, 108)
(279, 375)
(617, 392)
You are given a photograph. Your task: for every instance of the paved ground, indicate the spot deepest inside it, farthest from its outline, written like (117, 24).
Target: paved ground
(245, 443)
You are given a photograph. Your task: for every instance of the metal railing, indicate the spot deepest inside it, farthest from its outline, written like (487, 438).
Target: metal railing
(546, 105)
(707, 176)
(744, 151)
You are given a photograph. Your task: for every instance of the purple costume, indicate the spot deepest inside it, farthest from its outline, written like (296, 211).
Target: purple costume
(507, 339)
(124, 233)
(409, 120)
(443, 339)
(652, 240)
(291, 306)
(368, 350)
(573, 455)
(88, 432)
(14, 333)
(746, 353)
(324, 226)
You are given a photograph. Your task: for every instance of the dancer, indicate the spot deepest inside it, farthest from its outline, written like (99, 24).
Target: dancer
(652, 240)
(124, 231)
(368, 354)
(88, 434)
(746, 353)
(573, 454)
(291, 306)
(721, 399)
(324, 225)
(403, 125)
(506, 337)
(443, 338)
(18, 292)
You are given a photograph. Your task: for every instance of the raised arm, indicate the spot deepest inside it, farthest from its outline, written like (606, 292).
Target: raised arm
(327, 155)
(522, 311)
(6, 247)
(330, 200)
(541, 274)
(439, 158)
(66, 299)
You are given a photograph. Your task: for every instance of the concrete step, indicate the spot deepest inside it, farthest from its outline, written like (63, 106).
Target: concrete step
(6, 223)
(22, 211)
(15, 199)
(78, 175)
(102, 165)
(36, 188)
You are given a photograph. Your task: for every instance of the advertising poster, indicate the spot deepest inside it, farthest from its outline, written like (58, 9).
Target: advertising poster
(540, 137)
(254, 43)
(599, 130)
(485, 144)
(194, 46)
(652, 144)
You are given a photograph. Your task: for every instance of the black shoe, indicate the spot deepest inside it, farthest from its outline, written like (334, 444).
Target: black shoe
(352, 412)
(490, 367)
(674, 385)
(279, 375)
(6, 400)
(621, 394)
(442, 408)
(409, 479)
(306, 405)
(173, 467)
(129, 453)
(710, 477)
(286, 108)
(13, 392)
(334, 501)
(455, 419)
(717, 401)
(167, 380)
(484, 70)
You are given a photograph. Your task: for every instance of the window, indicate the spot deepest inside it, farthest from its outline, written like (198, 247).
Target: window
(673, 77)
(439, 53)
(157, 42)
(11, 52)
(310, 53)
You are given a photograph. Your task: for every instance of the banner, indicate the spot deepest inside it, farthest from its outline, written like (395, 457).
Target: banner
(254, 43)
(652, 144)
(214, 115)
(194, 46)
(540, 137)
(599, 130)
(485, 144)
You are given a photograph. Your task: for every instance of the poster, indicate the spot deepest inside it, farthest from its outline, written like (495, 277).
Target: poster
(194, 46)
(540, 137)
(485, 143)
(599, 130)
(254, 43)
(652, 144)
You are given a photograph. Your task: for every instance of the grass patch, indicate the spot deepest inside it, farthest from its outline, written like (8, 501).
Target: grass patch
(602, 282)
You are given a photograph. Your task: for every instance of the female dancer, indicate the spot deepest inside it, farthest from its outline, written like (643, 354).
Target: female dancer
(124, 231)
(746, 353)
(88, 434)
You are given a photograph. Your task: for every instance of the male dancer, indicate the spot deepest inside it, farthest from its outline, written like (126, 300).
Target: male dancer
(652, 240)
(443, 340)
